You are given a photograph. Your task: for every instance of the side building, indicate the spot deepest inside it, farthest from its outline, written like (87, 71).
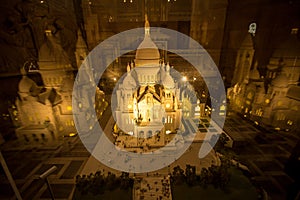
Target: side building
(272, 101)
(45, 113)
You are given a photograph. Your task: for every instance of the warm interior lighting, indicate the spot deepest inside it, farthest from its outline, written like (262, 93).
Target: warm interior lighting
(168, 132)
(184, 78)
(267, 101)
(129, 106)
(72, 134)
(168, 105)
(69, 108)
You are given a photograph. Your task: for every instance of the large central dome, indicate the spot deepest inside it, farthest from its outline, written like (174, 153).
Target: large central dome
(147, 52)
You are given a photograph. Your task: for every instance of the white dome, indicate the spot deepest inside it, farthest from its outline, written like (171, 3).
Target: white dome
(129, 82)
(168, 81)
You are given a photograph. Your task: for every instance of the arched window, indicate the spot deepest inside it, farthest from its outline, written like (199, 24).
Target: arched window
(141, 134)
(149, 133)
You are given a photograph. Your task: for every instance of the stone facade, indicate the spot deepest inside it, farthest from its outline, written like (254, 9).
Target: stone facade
(272, 101)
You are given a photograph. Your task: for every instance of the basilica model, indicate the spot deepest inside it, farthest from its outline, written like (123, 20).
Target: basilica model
(148, 99)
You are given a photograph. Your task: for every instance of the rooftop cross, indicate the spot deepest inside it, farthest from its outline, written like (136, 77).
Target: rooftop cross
(147, 26)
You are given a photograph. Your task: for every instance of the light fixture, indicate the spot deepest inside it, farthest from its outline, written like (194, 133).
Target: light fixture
(168, 105)
(184, 78)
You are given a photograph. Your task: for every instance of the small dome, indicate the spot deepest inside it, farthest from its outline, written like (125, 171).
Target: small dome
(26, 85)
(168, 81)
(129, 82)
(280, 81)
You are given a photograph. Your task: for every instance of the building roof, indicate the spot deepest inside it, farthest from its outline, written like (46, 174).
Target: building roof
(294, 92)
(129, 82)
(149, 90)
(26, 85)
(254, 73)
(280, 81)
(247, 42)
(67, 85)
(80, 44)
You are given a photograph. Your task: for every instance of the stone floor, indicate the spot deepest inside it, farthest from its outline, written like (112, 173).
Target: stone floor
(28, 162)
(265, 153)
